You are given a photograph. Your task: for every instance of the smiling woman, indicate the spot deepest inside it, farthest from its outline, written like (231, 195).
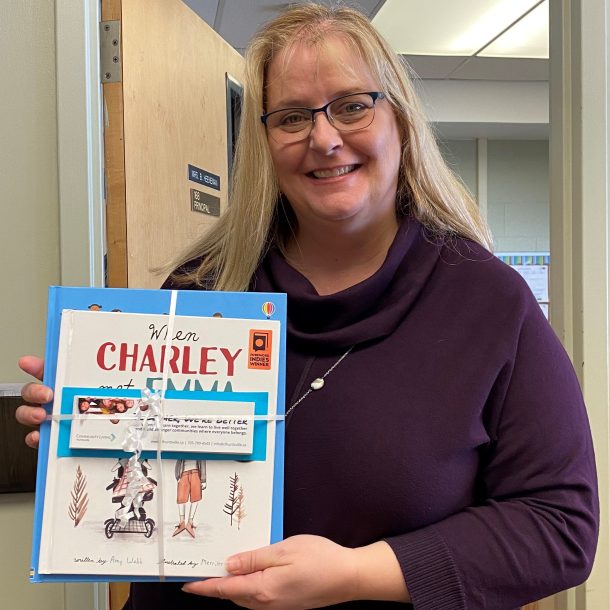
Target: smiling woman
(339, 45)
(437, 450)
(339, 182)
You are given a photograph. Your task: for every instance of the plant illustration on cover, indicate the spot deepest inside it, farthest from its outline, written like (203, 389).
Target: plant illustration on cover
(235, 504)
(79, 498)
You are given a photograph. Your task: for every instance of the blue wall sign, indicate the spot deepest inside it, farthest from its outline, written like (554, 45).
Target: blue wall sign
(202, 177)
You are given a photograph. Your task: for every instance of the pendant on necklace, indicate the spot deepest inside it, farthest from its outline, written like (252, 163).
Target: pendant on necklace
(317, 384)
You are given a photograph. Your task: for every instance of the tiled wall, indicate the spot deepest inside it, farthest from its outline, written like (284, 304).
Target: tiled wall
(517, 189)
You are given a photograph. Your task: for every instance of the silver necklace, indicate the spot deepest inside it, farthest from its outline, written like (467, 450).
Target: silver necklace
(318, 382)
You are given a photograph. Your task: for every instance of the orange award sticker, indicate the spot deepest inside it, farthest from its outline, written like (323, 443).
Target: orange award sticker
(259, 350)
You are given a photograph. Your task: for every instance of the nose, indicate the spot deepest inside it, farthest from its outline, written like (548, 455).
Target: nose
(324, 137)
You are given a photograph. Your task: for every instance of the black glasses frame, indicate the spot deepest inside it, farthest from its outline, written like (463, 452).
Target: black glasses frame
(375, 95)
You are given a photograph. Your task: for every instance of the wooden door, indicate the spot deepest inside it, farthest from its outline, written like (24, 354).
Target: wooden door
(168, 112)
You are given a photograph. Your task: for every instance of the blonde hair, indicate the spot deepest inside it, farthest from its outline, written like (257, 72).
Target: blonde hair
(257, 218)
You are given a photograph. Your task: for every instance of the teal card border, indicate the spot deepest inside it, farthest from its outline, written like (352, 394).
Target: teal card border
(259, 446)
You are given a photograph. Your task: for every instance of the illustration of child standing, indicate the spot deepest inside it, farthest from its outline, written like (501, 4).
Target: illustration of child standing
(191, 478)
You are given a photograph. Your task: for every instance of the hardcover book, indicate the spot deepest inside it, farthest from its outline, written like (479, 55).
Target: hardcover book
(162, 453)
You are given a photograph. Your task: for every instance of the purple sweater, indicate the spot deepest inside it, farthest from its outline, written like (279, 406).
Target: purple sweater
(454, 430)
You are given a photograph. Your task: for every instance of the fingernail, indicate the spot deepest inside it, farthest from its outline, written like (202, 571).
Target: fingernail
(232, 564)
(186, 589)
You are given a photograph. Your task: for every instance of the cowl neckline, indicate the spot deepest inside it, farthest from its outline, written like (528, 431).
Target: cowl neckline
(367, 311)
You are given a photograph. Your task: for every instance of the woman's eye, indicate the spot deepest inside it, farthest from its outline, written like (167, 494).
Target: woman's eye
(354, 107)
(349, 109)
(292, 120)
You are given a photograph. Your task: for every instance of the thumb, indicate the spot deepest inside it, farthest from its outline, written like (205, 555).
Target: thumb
(32, 366)
(253, 561)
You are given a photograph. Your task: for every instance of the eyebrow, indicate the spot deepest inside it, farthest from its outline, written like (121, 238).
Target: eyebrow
(296, 103)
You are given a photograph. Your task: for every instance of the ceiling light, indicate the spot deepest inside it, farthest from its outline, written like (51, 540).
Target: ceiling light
(439, 27)
(527, 38)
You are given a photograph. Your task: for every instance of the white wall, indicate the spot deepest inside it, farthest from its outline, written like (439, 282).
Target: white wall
(463, 109)
(518, 194)
(461, 156)
(517, 189)
(481, 101)
(29, 246)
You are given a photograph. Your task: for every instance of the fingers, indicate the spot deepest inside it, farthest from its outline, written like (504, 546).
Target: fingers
(243, 590)
(253, 561)
(36, 393)
(32, 366)
(31, 439)
(211, 587)
(30, 416)
(244, 585)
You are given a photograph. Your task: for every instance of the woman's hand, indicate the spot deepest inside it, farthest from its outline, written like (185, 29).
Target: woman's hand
(300, 572)
(307, 572)
(35, 394)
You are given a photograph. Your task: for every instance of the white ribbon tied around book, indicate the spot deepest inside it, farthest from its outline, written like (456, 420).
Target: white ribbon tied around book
(137, 480)
(147, 411)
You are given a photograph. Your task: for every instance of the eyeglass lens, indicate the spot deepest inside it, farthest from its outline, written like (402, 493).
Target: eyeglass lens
(347, 113)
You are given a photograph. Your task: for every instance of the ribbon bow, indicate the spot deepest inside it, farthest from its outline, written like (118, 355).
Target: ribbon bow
(147, 419)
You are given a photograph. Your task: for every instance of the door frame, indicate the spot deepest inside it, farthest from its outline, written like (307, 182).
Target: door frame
(580, 236)
(80, 143)
(81, 181)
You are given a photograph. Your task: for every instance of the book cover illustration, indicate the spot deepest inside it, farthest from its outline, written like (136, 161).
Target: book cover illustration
(163, 454)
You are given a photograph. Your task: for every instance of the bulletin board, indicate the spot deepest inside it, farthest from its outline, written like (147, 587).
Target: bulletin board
(534, 269)
(17, 461)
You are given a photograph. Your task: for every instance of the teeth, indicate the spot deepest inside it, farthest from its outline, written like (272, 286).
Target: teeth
(330, 173)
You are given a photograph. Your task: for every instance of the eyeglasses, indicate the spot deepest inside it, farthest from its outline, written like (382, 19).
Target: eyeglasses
(346, 113)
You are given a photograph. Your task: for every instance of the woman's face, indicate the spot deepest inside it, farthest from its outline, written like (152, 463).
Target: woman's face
(333, 176)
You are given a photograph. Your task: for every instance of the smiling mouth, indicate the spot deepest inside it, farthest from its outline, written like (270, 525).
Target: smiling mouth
(334, 172)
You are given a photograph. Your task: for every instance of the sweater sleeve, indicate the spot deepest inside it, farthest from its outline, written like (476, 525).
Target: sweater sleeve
(535, 530)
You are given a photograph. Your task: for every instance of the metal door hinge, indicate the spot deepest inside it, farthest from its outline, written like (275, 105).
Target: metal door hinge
(110, 51)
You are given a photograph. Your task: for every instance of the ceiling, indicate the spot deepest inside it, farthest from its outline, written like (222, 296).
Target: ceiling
(487, 28)
(447, 39)
(237, 20)
(488, 58)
